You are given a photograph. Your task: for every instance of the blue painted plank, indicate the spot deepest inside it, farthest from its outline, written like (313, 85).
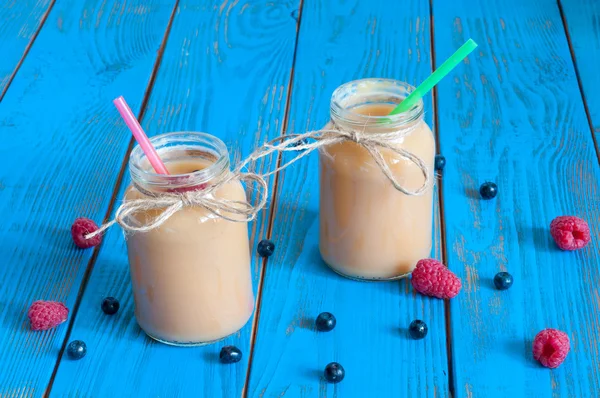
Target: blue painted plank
(355, 40)
(225, 71)
(62, 150)
(583, 23)
(513, 114)
(21, 19)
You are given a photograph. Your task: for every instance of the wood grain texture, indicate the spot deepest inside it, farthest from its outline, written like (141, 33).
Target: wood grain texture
(62, 149)
(21, 20)
(340, 41)
(225, 71)
(583, 24)
(513, 114)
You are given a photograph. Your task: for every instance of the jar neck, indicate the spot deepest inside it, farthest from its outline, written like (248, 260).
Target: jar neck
(181, 152)
(350, 101)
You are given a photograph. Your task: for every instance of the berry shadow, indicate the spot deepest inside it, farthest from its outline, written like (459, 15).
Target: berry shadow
(488, 283)
(57, 237)
(313, 374)
(522, 349)
(472, 193)
(542, 240)
(211, 357)
(307, 324)
(15, 316)
(400, 332)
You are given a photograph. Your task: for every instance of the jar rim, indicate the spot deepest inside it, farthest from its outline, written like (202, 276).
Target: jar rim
(399, 90)
(181, 139)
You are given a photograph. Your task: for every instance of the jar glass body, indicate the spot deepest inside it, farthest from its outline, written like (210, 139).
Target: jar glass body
(368, 229)
(191, 276)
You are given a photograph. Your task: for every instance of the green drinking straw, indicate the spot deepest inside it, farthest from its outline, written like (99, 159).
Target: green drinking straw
(435, 77)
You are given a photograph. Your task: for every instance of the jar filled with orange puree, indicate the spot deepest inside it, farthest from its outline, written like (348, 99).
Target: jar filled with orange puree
(191, 276)
(369, 229)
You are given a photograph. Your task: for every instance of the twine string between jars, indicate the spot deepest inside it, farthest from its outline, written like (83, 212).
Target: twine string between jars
(242, 211)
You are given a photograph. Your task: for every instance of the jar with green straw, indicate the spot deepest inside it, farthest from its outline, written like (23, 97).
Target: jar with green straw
(376, 202)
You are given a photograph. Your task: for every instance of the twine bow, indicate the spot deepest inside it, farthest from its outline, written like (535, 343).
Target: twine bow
(242, 211)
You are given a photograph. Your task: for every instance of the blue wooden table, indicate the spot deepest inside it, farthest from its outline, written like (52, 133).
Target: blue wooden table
(523, 110)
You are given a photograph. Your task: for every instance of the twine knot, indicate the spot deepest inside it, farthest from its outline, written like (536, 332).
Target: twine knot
(188, 199)
(354, 136)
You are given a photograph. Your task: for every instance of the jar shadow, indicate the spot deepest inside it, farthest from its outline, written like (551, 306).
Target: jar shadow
(317, 266)
(301, 240)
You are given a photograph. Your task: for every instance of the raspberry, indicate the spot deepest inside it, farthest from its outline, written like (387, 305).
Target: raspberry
(432, 278)
(570, 233)
(45, 315)
(81, 227)
(551, 347)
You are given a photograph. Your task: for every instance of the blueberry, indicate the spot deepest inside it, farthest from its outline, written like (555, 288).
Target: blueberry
(110, 305)
(325, 322)
(76, 349)
(488, 190)
(440, 162)
(417, 329)
(301, 142)
(503, 280)
(265, 248)
(230, 354)
(334, 372)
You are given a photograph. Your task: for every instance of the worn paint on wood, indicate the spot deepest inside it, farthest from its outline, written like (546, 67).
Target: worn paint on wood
(513, 114)
(21, 20)
(225, 71)
(340, 41)
(583, 24)
(62, 150)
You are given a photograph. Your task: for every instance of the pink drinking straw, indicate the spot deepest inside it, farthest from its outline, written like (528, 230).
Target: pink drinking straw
(140, 136)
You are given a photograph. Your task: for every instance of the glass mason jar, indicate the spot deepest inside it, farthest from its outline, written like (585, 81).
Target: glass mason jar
(191, 276)
(369, 229)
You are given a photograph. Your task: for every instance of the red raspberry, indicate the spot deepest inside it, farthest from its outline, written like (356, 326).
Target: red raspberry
(45, 315)
(551, 347)
(432, 278)
(81, 227)
(570, 233)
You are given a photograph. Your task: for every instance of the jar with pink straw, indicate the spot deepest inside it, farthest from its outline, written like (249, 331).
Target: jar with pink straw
(190, 266)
